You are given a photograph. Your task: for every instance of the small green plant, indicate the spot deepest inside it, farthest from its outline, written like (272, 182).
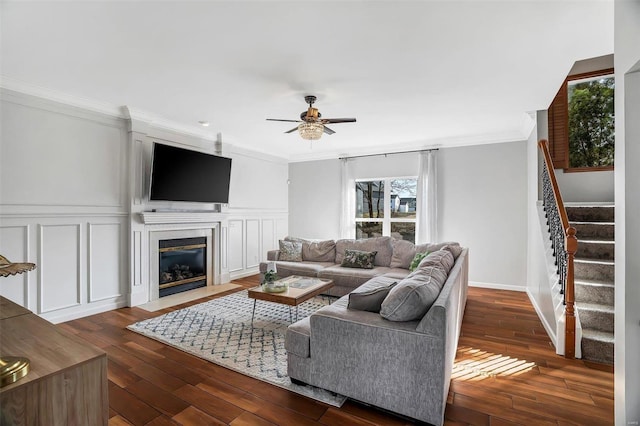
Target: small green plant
(417, 259)
(270, 276)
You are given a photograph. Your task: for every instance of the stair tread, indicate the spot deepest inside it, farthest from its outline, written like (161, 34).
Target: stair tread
(578, 222)
(608, 242)
(599, 335)
(594, 283)
(594, 261)
(595, 307)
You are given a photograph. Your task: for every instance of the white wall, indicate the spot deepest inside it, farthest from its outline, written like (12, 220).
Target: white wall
(482, 203)
(63, 206)
(627, 188)
(314, 199)
(482, 192)
(586, 187)
(73, 183)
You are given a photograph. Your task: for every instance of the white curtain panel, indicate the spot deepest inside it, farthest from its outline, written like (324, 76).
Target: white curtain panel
(348, 210)
(427, 209)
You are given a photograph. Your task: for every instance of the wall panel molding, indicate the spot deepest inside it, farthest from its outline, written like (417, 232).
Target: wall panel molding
(20, 237)
(56, 269)
(98, 268)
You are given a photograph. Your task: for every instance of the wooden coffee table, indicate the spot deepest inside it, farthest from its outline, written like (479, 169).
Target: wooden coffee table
(300, 290)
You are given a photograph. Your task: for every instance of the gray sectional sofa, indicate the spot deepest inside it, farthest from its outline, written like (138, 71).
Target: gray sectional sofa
(323, 259)
(401, 366)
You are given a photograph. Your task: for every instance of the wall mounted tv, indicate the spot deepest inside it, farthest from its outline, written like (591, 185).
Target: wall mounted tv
(179, 174)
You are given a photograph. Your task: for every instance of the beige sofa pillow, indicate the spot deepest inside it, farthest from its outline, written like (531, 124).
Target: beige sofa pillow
(403, 253)
(319, 251)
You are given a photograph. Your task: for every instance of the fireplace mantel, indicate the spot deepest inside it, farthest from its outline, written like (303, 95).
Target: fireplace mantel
(156, 218)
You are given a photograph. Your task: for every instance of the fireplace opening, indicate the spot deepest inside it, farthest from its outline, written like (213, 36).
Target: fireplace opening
(183, 264)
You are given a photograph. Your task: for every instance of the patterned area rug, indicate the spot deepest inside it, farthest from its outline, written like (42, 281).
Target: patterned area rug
(220, 331)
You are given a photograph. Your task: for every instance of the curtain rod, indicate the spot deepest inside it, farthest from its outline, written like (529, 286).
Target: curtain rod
(388, 153)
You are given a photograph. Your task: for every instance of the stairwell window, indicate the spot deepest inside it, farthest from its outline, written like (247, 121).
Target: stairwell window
(386, 207)
(582, 123)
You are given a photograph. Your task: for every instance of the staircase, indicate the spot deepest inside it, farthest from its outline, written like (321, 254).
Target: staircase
(594, 279)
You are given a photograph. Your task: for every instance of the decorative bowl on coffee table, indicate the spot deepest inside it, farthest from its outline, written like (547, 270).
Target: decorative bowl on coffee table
(275, 287)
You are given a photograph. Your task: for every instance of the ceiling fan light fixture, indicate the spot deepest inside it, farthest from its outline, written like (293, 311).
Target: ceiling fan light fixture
(310, 130)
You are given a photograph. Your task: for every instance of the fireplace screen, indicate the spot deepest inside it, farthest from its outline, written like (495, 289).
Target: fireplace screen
(183, 265)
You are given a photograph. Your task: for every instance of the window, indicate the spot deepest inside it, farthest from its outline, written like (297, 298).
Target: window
(581, 122)
(386, 207)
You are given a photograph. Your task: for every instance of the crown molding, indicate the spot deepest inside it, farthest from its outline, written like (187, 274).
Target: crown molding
(453, 142)
(141, 120)
(20, 86)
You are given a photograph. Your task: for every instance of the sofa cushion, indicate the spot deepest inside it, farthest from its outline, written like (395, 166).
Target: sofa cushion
(382, 245)
(319, 251)
(369, 298)
(350, 277)
(290, 251)
(403, 253)
(442, 258)
(308, 269)
(431, 247)
(298, 338)
(413, 296)
(358, 259)
(396, 273)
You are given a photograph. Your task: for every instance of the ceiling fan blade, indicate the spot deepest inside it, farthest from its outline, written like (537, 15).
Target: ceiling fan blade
(328, 130)
(338, 120)
(292, 130)
(289, 121)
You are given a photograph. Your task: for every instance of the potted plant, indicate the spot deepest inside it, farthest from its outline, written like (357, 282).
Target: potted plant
(270, 276)
(271, 283)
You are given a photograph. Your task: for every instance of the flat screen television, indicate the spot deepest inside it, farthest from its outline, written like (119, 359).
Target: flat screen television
(179, 174)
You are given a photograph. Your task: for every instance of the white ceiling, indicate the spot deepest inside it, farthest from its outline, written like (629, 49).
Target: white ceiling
(414, 73)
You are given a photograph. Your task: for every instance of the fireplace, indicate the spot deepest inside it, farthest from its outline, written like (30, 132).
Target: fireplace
(183, 265)
(182, 260)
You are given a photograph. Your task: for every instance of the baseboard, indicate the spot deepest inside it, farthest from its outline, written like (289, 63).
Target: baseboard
(550, 331)
(243, 274)
(495, 286)
(92, 310)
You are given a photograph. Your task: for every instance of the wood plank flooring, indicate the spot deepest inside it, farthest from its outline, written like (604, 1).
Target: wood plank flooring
(506, 373)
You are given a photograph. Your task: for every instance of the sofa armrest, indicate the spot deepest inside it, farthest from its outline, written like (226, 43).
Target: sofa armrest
(273, 254)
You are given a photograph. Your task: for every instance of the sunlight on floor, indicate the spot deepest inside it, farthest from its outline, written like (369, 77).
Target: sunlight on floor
(476, 364)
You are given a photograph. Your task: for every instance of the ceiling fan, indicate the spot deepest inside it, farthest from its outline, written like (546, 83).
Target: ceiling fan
(312, 125)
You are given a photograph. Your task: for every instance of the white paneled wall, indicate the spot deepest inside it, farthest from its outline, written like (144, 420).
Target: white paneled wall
(250, 237)
(73, 184)
(14, 245)
(63, 197)
(252, 252)
(236, 246)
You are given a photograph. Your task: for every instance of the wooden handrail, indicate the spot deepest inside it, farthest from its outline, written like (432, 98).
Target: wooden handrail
(571, 247)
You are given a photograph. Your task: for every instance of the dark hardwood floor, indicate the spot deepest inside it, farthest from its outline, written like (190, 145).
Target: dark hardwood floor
(506, 373)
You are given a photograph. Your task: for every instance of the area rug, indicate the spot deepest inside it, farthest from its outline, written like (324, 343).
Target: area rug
(220, 331)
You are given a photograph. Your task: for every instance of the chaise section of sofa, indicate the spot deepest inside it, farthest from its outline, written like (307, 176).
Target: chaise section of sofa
(401, 366)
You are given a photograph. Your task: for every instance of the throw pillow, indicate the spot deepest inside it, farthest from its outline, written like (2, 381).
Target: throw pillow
(416, 260)
(358, 259)
(290, 251)
(413, 296)
(441, 258)
(403, 253)
(369, 300)
(319, 251)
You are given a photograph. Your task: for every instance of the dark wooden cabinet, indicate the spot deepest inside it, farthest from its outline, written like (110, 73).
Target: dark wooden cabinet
(67, 381)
